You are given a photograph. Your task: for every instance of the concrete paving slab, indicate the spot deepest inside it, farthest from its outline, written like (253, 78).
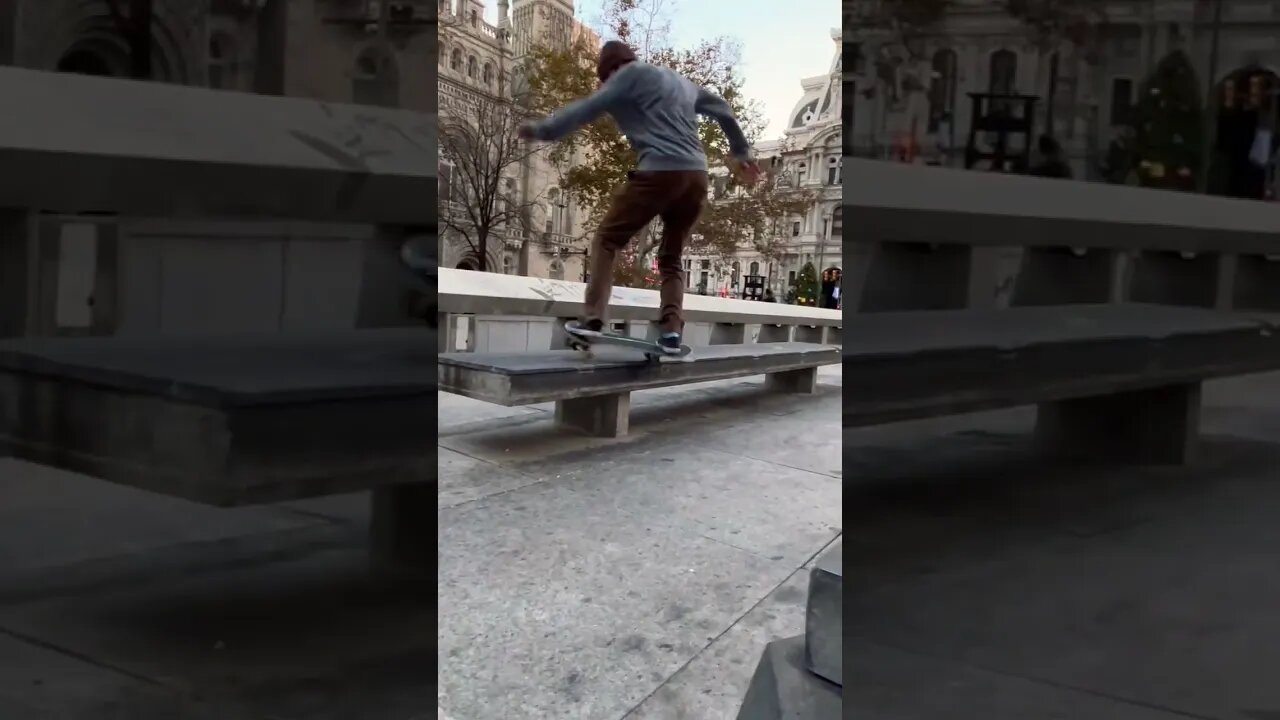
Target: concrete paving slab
(554, 605)
(465, 479)
(773, 511)
(889, 683)
(1019, 580)
(622, 523)
(712, 685)
(51, 518)
(315, 638)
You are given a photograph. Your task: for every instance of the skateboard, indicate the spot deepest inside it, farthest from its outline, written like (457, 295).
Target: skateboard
(652, 351)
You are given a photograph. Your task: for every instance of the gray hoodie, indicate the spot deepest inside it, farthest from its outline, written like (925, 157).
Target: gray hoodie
(657, 110)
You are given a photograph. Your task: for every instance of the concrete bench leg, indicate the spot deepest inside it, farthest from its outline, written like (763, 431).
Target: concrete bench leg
(403, 527)
(801, 382)
(600, 415)
(1158, 426)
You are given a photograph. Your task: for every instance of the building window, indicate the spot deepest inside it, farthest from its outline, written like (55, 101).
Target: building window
(444, 184)
(488, 74)
(474, 18)
(455, 60)
(557, 270)
(942, 90)
(837, 222)
(506, 265)
(471, 67)
(1121, 102)
(1004, 73)
(795, 229)
(221, 62)
(755, 268)
(791, 278)
(833, 171)
(737, 270)
(374, 81)
(800, 170)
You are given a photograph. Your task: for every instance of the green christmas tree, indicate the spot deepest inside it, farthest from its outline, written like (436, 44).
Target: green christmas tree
(807, 285)
(1169, 125)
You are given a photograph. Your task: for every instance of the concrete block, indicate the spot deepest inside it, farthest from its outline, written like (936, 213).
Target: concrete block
(832, 336)
(803, 381)
(782, 689)
(1159, 426)
(728, 334)
(1063, 276)
(1256, 283)
(599, 415)
(824, 616)
(809, 333)
(774, 333)
(1169, 278)
(916, 276)
(696, 333)
(514, 333)
(401, 535)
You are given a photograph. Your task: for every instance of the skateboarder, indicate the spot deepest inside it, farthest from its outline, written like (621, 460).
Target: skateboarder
(656, 108)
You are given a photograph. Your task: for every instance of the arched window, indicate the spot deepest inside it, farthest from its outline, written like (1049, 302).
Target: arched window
(833, 170)
(942, 91)
(755, 268)
(506, 264)
(375, 80)
(473, 18)
(837, 221)
(488, 74)
(455, 60)
(555, 211)
(471, 67)
(557, 270)
(222, 65)
(737, 270)
(1004, 72)
(442, 54)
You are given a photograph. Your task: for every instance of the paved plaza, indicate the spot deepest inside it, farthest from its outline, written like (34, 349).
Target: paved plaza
(641, 577)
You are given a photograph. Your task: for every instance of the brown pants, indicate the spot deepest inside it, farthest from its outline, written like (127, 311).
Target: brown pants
(677, 197)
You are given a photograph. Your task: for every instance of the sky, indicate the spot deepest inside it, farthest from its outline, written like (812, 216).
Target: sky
(782, 42)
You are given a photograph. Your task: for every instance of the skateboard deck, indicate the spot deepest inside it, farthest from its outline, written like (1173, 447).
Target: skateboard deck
(650, 348)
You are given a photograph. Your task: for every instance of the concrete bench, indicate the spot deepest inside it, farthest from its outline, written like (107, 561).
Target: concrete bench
(931, 239)
(238, 420)
(594, 393)
(511, 313)
(1113, 381)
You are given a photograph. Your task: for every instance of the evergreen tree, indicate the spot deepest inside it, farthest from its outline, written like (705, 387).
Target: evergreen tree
(807, 287)
(1169, 122)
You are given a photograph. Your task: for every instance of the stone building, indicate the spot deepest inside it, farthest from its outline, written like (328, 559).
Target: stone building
(918, 96)
(809, 157)
(478, 59)
(355, 51)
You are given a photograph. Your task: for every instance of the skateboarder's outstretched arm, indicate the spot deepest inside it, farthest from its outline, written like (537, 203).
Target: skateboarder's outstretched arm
(717, 108)
(582, 112)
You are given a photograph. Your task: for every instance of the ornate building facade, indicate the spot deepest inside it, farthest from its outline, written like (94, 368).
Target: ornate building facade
(356, 51)
(917, 97)
(480, 60)
(807, 157)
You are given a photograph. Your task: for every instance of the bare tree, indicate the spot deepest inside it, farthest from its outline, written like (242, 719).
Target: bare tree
(479, 201)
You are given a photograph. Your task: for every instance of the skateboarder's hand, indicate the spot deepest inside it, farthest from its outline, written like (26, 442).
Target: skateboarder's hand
(525, 131)
(748, 171)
